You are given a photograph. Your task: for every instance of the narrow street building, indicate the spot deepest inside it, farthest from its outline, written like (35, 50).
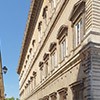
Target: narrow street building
(60, 55)
(1, 81)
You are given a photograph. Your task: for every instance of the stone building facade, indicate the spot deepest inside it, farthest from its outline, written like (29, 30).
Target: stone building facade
(1, 81)
(60, 56)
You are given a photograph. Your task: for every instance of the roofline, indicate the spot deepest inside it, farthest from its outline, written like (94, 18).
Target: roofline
(30, 25)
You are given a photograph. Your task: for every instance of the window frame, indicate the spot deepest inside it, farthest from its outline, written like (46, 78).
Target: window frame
(78, 12)
(63, 36)
(53, 55)
(78, 35)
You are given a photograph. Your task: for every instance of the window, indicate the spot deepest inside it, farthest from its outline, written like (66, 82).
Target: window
(33, 42)
(53, 4)
(46, 69)
(46, 98)
(77, 18)
(31, 79)
(40, 30)
(63, 49)
(27, 56)
(63, 41)
(41, 71)
(53, 96)
(63, 93)
(34, 79)
(77, 89)
(78, 29)
(30, 50)
(45, 14)
(53, 59)
(53, 55)
(46, 58)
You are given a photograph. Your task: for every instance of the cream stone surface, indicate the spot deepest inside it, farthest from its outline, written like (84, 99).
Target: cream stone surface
(78, 69)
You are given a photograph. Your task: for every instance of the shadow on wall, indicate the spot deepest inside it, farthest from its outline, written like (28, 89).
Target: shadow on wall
(82, 88)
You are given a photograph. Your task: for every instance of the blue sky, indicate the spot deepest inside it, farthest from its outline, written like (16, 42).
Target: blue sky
(13, 17)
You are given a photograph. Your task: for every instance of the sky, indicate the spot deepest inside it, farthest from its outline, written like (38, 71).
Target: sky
(13, 18)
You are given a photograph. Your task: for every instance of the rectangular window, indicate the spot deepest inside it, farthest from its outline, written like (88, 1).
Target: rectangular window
(53, 59)
(41, 72)
(46, 69)
(63, 49)
(78, 29)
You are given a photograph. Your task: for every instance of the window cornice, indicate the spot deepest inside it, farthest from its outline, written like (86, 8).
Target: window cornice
(53, 94)
(40, 63)
(78, 9)
(46, 97)
(76, 83)
(46, 55)
(44, 15)
(63, 90)
(52, 45)
(62, 31)
(34, 73)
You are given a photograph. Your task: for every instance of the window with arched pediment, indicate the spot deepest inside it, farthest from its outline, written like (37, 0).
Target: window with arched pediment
(53, 55)
(77, 18)
(62, 37)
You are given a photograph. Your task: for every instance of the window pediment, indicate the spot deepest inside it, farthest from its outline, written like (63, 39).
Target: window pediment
(39, 25)
(31, 77)
(34, 73)
(44, 12)
(40, 63)
(78, 9)
(62, 31)
(80, 82)
(62, 90)
(46, 55)
(52, 45)
(29, 81)
(53, 94)
(33, 42)
(46, 98)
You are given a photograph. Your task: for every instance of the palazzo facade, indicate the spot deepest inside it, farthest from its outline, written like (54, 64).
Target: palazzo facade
(60, 55)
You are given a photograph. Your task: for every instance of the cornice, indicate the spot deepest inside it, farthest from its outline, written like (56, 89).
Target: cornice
(31, 22)
(78, 9)
(52, 45)
(63, 30)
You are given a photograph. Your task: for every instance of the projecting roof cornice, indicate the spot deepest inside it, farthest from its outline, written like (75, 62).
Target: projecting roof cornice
(30, 26)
